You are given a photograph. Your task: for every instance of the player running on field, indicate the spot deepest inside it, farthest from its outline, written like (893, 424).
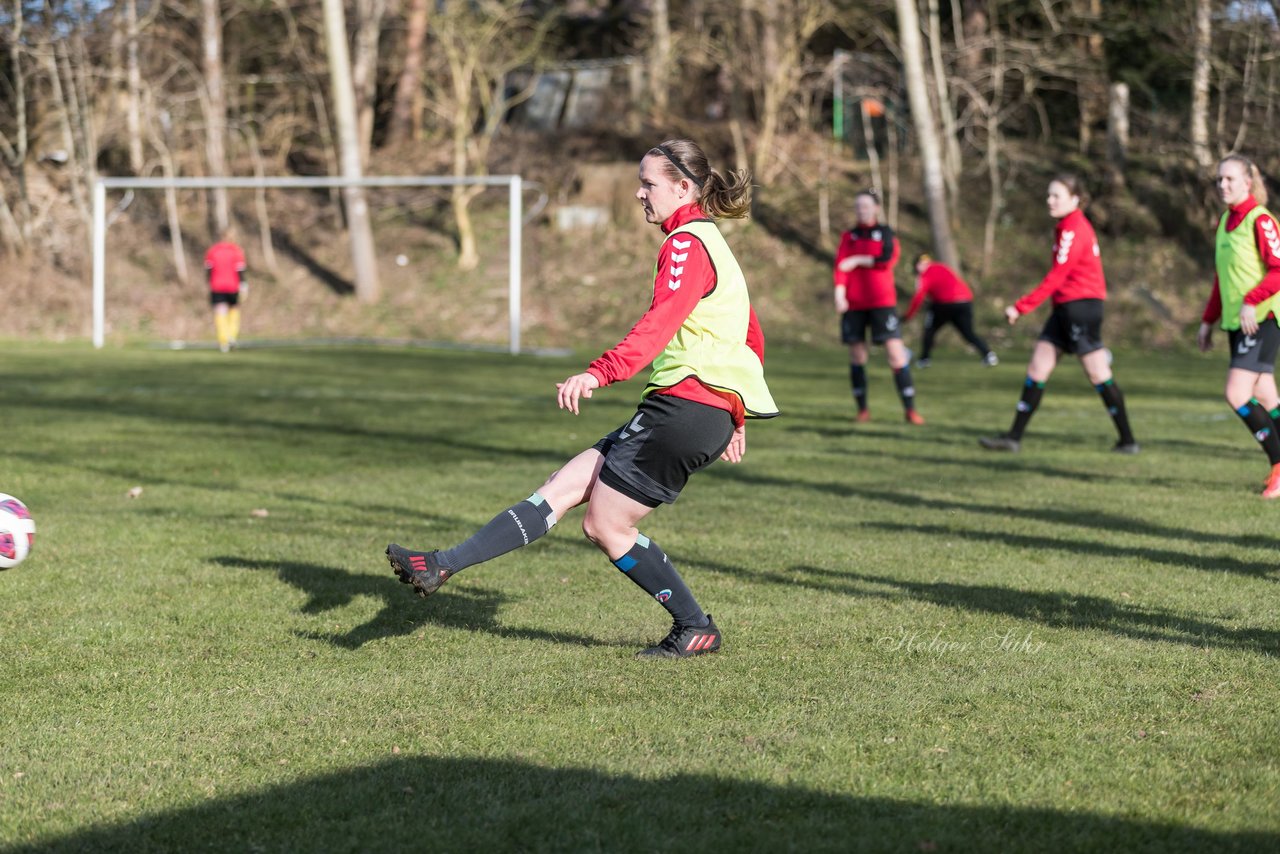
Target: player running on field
(1076, 284)
(1247, 258)
(867, 300)
(950, 301)
(707, 353)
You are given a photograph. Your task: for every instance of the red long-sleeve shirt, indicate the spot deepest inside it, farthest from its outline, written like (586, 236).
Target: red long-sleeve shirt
(868, 287)
(1267, 237)
(939, 283)
(1077, 266)
(683, 278)
(225, 263)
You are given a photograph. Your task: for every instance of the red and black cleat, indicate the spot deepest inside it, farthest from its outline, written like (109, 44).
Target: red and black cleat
(417, 568)
(685, 641)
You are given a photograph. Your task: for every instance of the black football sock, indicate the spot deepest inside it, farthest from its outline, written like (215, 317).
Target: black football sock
(1263, 428)
(1113, 400)
(514, 527)
(906, 391)
(648, 567)
(1032, 391)
(858, 381)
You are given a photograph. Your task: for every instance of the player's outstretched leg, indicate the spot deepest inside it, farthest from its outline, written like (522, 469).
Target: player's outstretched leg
(513, 528)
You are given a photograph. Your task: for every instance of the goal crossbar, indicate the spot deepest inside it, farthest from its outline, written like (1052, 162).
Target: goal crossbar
(103, 184)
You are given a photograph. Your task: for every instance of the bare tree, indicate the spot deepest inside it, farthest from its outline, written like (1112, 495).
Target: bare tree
(1200, 84)
(935, 189)
(364, 262)
(659, 54)
(1117, 134)
(133, 82)
(15, 231)
(216, 108)
(364, 69)
(405, 109)
(479, 44)
(1091, 90)
(951, 160)
(766, 52)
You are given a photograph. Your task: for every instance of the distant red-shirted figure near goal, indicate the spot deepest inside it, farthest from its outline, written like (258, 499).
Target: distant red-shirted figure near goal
(224, 262)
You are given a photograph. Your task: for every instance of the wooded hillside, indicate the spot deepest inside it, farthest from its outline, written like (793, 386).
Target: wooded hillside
(957, 111)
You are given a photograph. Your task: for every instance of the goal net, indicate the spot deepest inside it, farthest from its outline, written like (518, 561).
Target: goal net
(149, 280)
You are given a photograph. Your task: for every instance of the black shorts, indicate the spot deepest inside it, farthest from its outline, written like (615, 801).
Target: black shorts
(883, 322)
(1075, 327)
(216, 297)
(650, 457)
(1256, 353)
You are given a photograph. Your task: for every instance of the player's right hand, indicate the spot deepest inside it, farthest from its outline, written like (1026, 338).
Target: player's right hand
(1011, 314)
(575, 387)
(1204, 337)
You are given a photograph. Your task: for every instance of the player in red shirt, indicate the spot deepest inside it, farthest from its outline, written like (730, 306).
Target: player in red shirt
(708, 376)
(225, 265)
(950, 301)
(1247, 278)
(1076, 284)
(866, 300)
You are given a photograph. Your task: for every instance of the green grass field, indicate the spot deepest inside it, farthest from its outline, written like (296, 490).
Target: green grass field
(927, 647)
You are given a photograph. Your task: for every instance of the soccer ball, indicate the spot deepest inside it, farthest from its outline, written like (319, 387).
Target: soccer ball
(17, 531)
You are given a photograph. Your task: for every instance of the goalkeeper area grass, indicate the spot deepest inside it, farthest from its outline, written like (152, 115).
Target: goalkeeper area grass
(928, 647)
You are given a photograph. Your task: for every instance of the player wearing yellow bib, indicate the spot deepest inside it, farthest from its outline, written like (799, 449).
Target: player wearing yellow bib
(707, 351)
(1247, 262)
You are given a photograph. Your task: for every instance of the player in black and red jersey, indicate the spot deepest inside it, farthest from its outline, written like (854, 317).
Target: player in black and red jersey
(866, 300)
(224, 261)
(1078, 288)
(950, 301)
(707, 351)
(1245, 286)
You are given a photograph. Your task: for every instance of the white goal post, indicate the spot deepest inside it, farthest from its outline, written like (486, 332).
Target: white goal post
(514, 189)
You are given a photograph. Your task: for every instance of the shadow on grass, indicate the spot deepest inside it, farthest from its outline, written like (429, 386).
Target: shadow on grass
(1080, 518)
(1086, 549)
(460, 804)
(1100, 520)
(465, 608)
(1055, 609)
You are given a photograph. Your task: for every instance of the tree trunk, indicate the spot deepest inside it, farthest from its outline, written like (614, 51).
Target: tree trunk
(404, 125)
(770, 89)
(163, 147)
(64, 108)
(891, 144)
(1246, 88)
(15, 154)
(659, 55)
(133, 79)
(364, 70)
(364, 263)
(869, 140)
(260, 200)
(1117, 133)
(216, 118)
(995, 203)
(1090, 91)
(950, 140)
(1200, 85)
(935, 189)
